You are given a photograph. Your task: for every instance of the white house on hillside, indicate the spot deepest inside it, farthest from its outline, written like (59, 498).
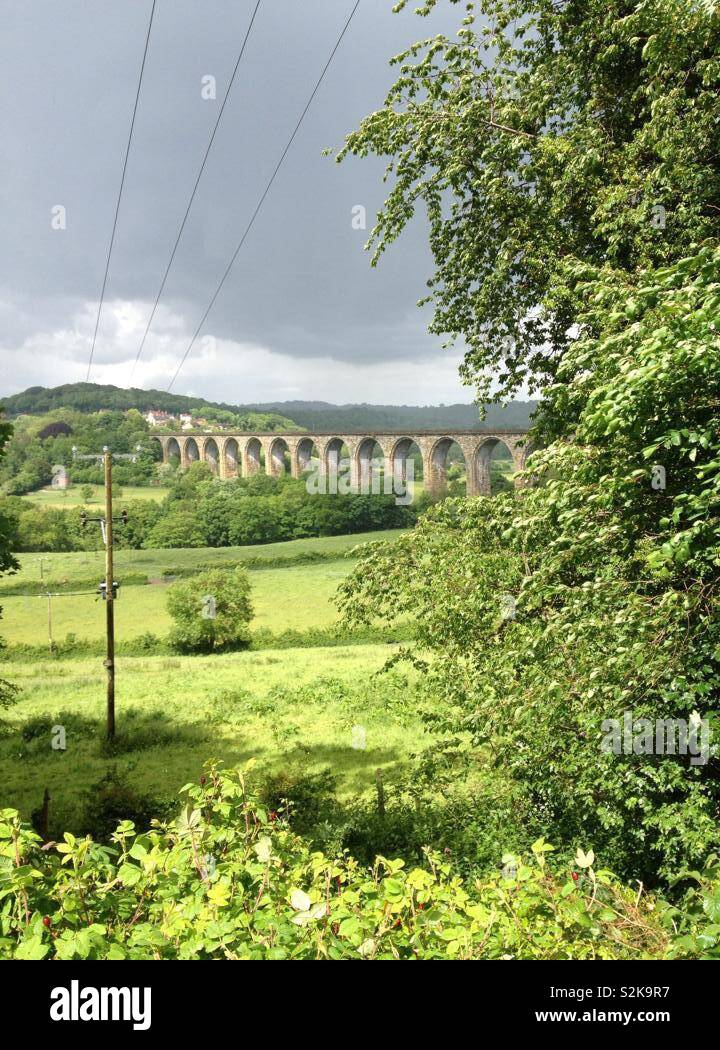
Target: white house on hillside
(157, 418)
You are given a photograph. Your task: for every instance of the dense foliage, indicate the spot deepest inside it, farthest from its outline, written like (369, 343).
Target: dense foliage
(615, 582)
(567, 158)
(226, 879)
(67, 437)
(91, 398)
(545, 133)
(8, 692)
(41, 443)
(202, 511)
(211, 610)
(313, 415)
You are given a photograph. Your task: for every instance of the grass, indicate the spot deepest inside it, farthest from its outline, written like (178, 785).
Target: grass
(292, 710)
(81, 567)
(297, 597)
(66, 499)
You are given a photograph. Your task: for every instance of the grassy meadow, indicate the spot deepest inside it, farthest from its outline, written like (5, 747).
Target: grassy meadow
(292, 709)
(296, 597)
(38, 571)
(66, 499)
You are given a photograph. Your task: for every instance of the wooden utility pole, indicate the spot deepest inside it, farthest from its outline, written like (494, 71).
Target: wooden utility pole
(109, 597)
(107, 589)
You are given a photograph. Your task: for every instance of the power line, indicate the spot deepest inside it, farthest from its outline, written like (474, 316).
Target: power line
(52, 594)
(264, 195)
(194, 191)
(122, 183)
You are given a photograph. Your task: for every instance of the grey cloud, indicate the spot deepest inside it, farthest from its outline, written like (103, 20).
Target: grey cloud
(302, 287)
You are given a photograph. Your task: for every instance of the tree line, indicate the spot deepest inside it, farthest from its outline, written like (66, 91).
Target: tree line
(203, 511)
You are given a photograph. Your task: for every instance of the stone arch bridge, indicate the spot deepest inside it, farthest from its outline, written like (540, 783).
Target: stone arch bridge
(239, 454)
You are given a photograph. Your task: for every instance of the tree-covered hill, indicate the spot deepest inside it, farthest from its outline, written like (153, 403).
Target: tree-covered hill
(91, 397)
(325, 416)
(40, 442)
(320, 415)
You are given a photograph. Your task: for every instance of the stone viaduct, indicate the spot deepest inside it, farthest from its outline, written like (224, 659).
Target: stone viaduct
(233, 454)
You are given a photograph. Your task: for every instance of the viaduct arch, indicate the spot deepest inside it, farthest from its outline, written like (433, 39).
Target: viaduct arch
(243, 453)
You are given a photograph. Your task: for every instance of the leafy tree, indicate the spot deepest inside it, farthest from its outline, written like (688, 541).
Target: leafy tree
(26, 464)
(178, 528)
(187, 484)
(545, 134)
(211, 610)
(46, 529)
(256, 519)
(143, 516)
(566, 157)
(615, 580)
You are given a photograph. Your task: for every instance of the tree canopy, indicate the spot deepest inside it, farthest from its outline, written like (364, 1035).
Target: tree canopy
(567, 156)
(544, 134)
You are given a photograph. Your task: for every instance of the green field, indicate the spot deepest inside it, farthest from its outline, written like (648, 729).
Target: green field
(77, 567)
(296, 597)
(293, 710)
(72, 497)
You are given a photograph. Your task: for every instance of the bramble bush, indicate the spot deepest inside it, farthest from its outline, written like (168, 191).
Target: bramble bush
(227, 879)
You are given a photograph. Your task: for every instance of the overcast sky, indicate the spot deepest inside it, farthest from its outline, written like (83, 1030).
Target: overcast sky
(303, 315)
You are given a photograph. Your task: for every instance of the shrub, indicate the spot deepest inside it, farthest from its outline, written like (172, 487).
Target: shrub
(308, 802)
(242, 885)
(36, 728)
(211, 610)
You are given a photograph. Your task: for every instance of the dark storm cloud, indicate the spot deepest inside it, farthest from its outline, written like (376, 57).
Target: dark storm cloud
(302, 288)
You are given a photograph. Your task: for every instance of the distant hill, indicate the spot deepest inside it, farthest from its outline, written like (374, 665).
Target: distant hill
(92, 397)
(320, 415)
(313, 415)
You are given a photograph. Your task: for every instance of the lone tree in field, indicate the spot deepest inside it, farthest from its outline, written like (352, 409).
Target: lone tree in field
(211, 610)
